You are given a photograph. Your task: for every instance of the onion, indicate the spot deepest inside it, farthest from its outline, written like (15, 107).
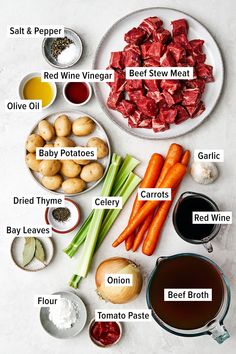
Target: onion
(118, 294)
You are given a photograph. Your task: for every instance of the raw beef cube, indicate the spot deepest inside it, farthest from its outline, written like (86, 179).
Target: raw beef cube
(199, 58)
(135, 36)
(114, 98)
(190, 60)
(150, 24)
(159, 126)
(135, 119)
(116, 60)
(131, 59)
(172, 99)
(168, 115)
(197, 46)
(195, 111)
(197, 83)
(170, 85)
(133, 48)
(177, 51)
(119, 81)
(179, 27)
(147, 106)
(152, 85)
(145, 123)
(191, 96)
(156, 96)
(133, 85)
(134, 96)
(167, 60)
(144, 50)
(155, 51)
(183, 41)
(126, 108)
(151, 62)
(182, 114)
(162, 36)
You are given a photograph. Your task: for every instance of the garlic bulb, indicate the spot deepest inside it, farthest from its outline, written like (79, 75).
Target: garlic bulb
(204, 172)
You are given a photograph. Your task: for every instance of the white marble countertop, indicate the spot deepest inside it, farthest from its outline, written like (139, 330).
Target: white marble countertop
(20, 330)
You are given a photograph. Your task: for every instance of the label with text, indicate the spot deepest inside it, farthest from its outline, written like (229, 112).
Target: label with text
(66, 153)
(77, 75)
(107, 203)
(27, 231)
(212, 217)
(40, 201)
(209, 155)
(23, 105)
(133, 315)
(167, 73)
(184, 294)
(154, 193)
(45, 300)
(32, 31)
(118, 279)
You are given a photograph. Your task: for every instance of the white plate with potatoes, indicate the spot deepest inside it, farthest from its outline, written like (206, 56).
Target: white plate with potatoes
(68, 129)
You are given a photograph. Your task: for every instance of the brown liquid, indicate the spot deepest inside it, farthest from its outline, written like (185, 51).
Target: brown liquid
(186, 272)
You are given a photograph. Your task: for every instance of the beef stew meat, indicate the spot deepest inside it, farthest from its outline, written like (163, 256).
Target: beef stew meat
(156, 104)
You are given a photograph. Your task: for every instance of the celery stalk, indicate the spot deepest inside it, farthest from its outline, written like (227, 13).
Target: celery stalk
(127, 166)
(125, 192)
(96, 222)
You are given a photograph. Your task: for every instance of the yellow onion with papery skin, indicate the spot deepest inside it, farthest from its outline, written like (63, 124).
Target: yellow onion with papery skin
(118, 294)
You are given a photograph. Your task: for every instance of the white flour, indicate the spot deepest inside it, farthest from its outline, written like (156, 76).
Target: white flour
(64, 314)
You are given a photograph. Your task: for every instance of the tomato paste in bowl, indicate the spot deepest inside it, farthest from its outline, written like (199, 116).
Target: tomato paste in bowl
(105, 334)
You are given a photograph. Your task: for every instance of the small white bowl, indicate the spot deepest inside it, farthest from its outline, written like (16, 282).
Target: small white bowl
(82, 103)
(99, 344)
(30, 76)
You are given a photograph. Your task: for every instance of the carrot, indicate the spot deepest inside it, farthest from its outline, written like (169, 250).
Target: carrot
(173, 156)
(141, 232)
(171, 180)
(154, 231)
(151, 175)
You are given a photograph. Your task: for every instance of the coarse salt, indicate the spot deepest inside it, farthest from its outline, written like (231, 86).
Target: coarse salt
(68, 55)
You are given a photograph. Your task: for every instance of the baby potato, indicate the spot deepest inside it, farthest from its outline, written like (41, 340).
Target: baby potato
(31, 162)
(52, 182)
(63, 142)
(83, 126)
(82, 162)
(73, 185)
(62, 125)
(70, 168)
(34, 141)
(46, 130)
(92, 172)
(102, 148)
(49, 145)
(49, 167)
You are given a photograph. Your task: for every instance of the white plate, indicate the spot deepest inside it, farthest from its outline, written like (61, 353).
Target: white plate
(79, 140)
(113, 41)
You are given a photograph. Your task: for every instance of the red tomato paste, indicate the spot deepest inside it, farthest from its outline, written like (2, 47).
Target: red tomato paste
(105, 333)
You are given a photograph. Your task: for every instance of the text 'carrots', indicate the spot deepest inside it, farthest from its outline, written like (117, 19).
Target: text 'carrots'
(172, 179)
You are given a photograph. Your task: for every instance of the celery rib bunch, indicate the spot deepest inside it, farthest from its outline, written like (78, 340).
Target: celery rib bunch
(119, 181)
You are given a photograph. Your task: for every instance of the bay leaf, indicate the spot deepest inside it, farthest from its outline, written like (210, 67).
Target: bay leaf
(39, 251)
(29, 250)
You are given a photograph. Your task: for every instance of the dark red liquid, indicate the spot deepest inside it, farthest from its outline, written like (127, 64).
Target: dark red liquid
(77, 92)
